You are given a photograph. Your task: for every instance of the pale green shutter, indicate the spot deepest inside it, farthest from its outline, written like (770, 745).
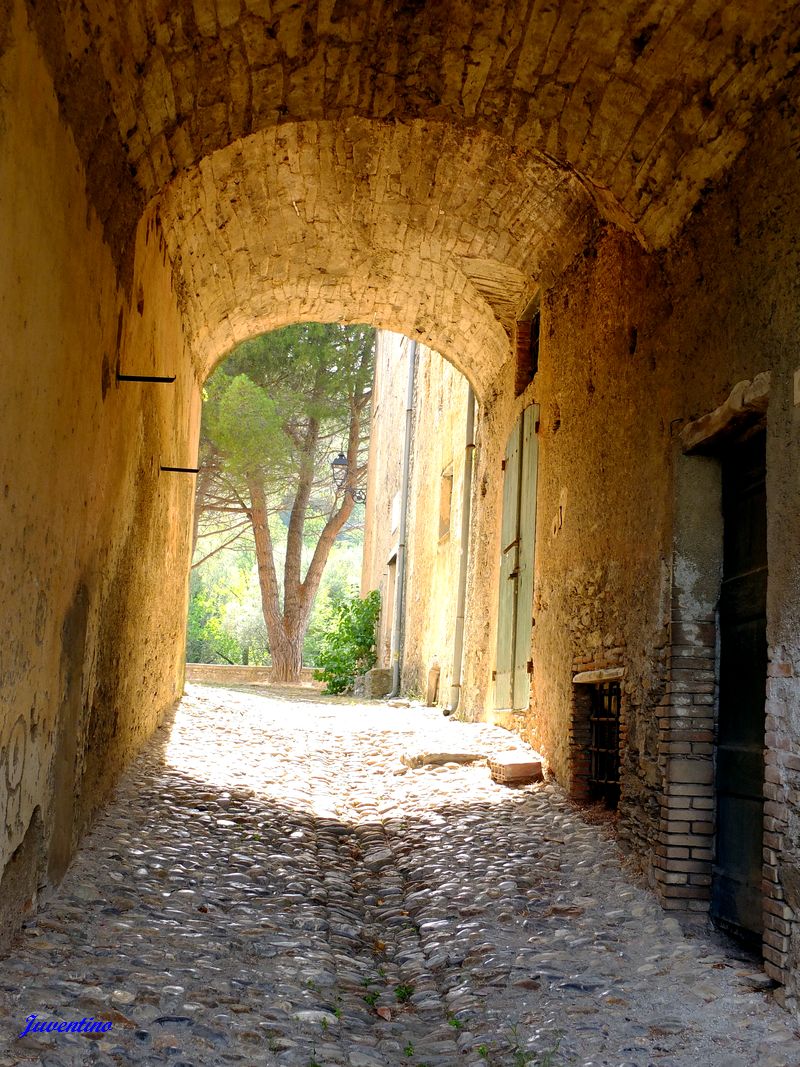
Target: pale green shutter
(527, 546)
(509, 544)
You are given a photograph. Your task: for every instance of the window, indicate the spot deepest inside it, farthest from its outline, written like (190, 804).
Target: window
(604, 747)
(445, 501)
(526, 343)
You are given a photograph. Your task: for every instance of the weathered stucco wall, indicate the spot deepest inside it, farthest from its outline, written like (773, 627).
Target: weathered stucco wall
(633, 347)
(93, 593)
(605, 385)
(497, 412)
(440, 415)
(384, 478)
(438, 444)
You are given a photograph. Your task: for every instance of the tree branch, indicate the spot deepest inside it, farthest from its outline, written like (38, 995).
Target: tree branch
(218, 549)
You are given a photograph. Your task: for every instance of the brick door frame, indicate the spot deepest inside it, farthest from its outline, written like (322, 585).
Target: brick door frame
(688, 712)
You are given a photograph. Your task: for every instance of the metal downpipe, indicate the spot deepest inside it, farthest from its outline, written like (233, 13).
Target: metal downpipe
(398, 623)
(461, 600)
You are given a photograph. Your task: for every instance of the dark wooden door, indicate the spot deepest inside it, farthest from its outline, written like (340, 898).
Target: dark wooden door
(736, 893)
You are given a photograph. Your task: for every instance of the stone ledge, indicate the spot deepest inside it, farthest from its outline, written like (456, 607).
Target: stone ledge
(238, 674)
(606, 674)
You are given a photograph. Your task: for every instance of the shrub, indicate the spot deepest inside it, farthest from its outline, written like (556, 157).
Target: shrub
(348, 649)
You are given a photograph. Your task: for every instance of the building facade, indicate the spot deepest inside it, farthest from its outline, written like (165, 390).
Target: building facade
(663, 653)
(439, 397)
(619, 182)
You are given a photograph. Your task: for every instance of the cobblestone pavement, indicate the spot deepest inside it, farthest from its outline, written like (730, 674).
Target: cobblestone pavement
(270, 887)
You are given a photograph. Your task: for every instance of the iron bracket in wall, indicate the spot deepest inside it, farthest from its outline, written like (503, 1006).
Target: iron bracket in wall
(145, 378)
(182, 470)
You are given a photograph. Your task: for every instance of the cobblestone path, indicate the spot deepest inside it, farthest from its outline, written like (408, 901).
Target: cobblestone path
(266, 888)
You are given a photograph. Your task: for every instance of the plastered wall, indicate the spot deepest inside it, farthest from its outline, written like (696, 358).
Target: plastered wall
(634, 346)
(439, 428)
(438, 431)
(92, 591)
(384, 478)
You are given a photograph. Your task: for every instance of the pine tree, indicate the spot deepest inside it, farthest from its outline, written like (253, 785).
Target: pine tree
(274, 413)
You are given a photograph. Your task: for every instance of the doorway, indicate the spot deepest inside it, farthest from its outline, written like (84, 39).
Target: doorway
(518, 541)
(736, 903)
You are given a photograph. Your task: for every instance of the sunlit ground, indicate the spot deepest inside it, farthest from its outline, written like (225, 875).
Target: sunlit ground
(205, 738)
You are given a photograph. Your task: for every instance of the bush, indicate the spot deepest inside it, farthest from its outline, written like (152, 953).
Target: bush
(349, 648)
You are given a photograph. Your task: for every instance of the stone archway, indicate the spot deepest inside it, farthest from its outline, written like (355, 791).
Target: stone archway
(174, 176)
(416, 228)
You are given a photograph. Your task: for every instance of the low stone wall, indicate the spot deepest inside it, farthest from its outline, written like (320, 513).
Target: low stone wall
(236, 674)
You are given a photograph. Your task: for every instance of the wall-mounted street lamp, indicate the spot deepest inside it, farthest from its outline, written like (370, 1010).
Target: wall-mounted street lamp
(340, 469)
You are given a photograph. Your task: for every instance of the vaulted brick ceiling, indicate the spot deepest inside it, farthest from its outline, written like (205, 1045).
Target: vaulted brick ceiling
(533, 115)
(411, 226)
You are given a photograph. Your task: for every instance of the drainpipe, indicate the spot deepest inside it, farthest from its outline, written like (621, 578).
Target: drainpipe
(466, 500)
(398, 623)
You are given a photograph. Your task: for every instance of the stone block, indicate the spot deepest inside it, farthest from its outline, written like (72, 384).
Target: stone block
(374, 684)
(511, 768)
(426, 758)
(778, 941)
(776, 957)
(699, 772)
(779, 909)
(780, 926)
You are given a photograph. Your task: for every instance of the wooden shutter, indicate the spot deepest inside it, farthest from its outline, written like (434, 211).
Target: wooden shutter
(527, 545)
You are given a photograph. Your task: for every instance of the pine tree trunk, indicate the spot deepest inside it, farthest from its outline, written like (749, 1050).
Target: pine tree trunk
(287, 661)
(285, 640)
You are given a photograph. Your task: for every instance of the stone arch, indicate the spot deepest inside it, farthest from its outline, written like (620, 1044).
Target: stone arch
(644, 110)
(415, 228)
(423, 166)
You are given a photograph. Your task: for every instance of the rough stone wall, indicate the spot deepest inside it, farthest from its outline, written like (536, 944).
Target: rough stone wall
(633, 347)
(603, 531)
(741, 320)
(93, 594)
(591, 88)
(433, 232)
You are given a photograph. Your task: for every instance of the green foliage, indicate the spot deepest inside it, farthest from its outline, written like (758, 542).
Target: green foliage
(260, 403)
(349, 648)
(225, 623)
(244, 424)
(339, 583)
(207, 640)
(274, 413)
(404, 993)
